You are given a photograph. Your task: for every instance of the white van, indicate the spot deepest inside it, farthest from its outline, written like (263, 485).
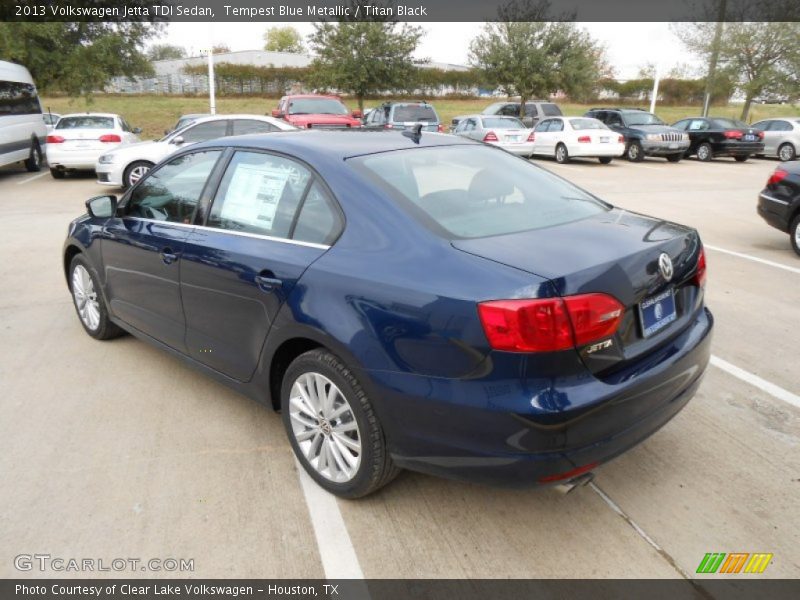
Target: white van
(22, 128)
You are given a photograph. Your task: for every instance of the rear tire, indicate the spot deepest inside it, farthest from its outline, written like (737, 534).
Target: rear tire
(704, 152)
(634, 153)
(787, 152)
(562, 154)
(58, 173)
(794, 234)
(605, 159)
(88, 300)
(34, 161)
(134, 172)
(740, 158)
(673, 158)
(332, 430)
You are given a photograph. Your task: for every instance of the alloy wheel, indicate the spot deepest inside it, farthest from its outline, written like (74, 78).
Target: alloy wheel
(325, 428)
(85, 297)
(136, 174)
(786, 153)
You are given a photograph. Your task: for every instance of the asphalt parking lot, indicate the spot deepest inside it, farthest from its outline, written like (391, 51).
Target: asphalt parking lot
(117, 450)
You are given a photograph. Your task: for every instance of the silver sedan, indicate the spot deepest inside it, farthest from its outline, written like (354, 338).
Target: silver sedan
(781, 137)
(507, 132)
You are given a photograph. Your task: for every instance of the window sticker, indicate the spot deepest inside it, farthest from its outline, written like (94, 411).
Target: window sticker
(253, 195)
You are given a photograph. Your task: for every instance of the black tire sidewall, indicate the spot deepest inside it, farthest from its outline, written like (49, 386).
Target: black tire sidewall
(605, 160)
(795, 224)
(32, 165)
(373, 444)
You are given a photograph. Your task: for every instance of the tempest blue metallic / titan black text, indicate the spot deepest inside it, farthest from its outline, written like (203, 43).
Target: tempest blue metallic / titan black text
(407, 301)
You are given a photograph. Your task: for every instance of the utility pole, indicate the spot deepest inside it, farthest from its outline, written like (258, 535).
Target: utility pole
(712, 63)
(656, 78)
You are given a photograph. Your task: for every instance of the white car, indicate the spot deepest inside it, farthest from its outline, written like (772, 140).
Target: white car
(570, 137)
(125, 166)
(78, 140)
(507, 132)
(50, 120)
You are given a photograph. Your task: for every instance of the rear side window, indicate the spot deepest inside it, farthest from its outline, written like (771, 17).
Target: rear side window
(476, 191)
(87, 122)
(551, 110)
(171, 193)
(579, 124)
(18, 99)
(245, 126)
(502, 123)
(414, 112)
(730, 124)
(318, 222)
(260, 193)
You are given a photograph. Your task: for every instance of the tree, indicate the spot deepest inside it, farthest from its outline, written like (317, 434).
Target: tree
(220, 49)
(283, 39)
(761, 55)
(525, 55)
(165, 52)
(78, 58)
(363, 57)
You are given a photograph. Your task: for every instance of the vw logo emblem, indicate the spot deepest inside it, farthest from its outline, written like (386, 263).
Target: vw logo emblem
(665, 266)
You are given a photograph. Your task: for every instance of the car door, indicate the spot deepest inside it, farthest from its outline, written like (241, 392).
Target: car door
(142, 246)
(541, 141)
(777, 133)
(240, 267)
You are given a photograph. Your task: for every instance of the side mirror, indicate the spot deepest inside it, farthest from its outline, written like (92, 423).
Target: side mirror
(102, 207)
(178, 139)
(136, 130)
(357, 114)
(276, 112)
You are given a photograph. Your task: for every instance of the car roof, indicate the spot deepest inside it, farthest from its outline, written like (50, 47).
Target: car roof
(337, 144)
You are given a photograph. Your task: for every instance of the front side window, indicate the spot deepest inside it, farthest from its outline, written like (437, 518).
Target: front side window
(476, 191)
(203, 132)
(172, 192)
(551, 110)
(502, 123)
(260, 193)
(581, 124)
(543, 126)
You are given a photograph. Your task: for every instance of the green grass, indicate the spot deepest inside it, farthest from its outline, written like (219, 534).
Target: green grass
(154, 114)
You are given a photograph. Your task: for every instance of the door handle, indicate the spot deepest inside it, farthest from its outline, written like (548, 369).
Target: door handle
(267, 282)
(168, 256)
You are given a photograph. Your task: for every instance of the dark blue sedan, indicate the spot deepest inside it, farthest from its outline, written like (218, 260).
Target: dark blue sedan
(421, 302)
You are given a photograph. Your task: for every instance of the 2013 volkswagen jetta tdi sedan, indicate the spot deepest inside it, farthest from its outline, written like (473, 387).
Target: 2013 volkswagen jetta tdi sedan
(422, 302)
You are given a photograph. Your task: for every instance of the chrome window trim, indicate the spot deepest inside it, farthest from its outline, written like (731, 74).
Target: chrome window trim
(230, 232)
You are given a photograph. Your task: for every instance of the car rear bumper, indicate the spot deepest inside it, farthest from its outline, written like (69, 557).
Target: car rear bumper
(612, 149)
(463, 429)
(774, 211)
(520, 149)
(739, 148)
(72, 159)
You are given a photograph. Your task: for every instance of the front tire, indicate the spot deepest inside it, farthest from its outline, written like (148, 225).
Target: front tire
(794, 234)
(562, 154)
(634, 153)
(704, 152)
(605, 159)
(333, 429)
(673, 158)
(134, 172)
(89, 304)
(786, 152)
(34, 161)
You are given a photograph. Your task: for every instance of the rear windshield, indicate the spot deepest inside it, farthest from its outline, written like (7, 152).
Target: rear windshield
(414, 112)
(499, 123)
(551, 110)
(578, 124)
(86, 123)
(316, 106)
(474, 191)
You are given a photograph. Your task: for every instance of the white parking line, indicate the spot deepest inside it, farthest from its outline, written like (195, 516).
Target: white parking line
(29, 179)
(763, 261)
(339, 559)
(773, 390)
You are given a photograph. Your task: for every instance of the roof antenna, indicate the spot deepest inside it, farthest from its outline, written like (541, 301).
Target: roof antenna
(415, 133)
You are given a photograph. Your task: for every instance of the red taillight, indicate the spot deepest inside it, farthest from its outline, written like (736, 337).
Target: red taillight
(700, 270)
(621, 139)
(549, 324)
(490, 137)
(388, 126)
(571, 474)
(733, 135)
(584, 139)
(778, 176)
(532, 137)
(55, 139)
(761, 135)
(440, 128)
(110, 137)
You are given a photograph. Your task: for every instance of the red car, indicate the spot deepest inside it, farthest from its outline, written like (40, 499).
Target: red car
(314, 110)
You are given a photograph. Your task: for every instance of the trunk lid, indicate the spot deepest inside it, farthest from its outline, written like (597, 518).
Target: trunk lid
(616, 253)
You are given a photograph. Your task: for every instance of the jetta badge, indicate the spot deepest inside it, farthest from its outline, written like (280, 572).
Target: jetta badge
(665, 266)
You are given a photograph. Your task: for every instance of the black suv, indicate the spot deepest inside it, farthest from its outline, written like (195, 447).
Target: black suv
(645, 134)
